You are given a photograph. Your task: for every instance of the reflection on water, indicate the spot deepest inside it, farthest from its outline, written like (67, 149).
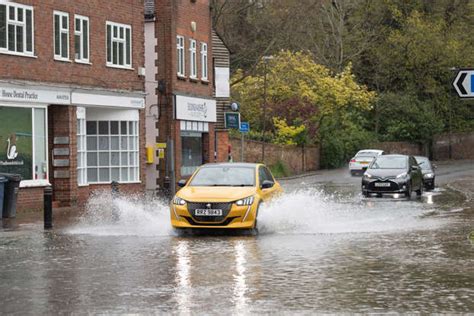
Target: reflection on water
(318, 252)
(240, 286)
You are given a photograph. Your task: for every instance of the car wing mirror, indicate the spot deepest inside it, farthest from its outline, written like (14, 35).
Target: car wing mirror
(414, 168)
(182, 183)
(267, 184)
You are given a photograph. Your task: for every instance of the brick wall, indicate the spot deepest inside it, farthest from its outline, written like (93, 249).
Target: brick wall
(297, 159)
(403, 148)
(462, 146)
(223, 143)
(30, 199)
(45, 69)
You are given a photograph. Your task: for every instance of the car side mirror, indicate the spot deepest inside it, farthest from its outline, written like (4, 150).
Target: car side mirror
(267, 184)
(414, 168)
(182, 183)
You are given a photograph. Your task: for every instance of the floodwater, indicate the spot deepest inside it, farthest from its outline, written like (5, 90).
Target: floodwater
(320, 248)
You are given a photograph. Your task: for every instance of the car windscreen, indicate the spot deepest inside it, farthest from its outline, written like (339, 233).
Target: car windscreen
(224, 176)
(367, 154)
(389, 163)
(424, 163)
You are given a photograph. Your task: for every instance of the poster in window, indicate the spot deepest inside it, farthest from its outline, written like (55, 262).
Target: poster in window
(16, 145)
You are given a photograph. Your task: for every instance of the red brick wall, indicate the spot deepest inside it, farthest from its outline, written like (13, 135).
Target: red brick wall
(462, 146)
(30, 199)
(222, 146)
(45, 69)
(174, 18)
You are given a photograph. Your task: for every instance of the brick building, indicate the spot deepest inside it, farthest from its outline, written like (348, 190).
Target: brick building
(72, 96)
(182, 109)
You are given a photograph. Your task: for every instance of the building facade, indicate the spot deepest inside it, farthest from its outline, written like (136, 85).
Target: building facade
(72, 97)
(186, 127)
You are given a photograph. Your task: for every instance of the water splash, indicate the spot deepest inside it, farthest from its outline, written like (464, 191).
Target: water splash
(125, 215)
(311, 211)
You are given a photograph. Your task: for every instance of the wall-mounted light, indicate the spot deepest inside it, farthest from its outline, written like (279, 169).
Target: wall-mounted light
(193, 26)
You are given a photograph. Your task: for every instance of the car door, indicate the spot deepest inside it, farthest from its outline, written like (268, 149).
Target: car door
(265, 175)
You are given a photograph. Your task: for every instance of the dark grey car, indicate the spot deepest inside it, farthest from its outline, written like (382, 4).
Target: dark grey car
(427, 169)
(393, 174)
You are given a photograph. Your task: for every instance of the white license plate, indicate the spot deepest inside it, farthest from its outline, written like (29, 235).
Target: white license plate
(208, 212)
(382, 184)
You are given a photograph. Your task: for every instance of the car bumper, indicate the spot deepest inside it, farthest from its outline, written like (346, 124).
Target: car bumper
(239, 217)
(396, 186)
(428, 182)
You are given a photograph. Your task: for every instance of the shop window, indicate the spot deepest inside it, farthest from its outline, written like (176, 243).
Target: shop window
(192, 59)
(191, 152)
(16, 29)
(180, 55)
(81, 38)
(119, 45)
(204, 71)
(61, 35)
(112, 151)
(23, 142)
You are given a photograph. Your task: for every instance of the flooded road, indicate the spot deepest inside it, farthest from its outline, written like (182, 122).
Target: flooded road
(321, 248)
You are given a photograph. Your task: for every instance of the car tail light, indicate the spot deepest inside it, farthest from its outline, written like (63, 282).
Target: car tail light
(353, 160)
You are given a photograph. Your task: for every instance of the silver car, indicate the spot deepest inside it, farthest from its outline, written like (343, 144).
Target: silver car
(359, 163)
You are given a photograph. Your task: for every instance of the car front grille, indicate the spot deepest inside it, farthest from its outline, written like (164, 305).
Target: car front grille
(225, 207)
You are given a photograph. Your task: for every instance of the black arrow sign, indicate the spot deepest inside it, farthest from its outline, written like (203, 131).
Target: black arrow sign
(460, 81)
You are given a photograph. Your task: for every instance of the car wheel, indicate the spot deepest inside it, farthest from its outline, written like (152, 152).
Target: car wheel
(254, 230)
(419, 192)
(365, 194)
(353, 173)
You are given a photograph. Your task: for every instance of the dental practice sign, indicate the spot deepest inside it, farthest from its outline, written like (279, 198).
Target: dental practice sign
(464, 83)
(195, 109)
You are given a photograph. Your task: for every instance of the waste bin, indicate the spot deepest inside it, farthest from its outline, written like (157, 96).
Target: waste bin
(10, 194)
(3, 181)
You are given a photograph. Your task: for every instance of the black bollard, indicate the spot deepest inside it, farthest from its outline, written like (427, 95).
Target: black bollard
(48, 207)
(115, 194)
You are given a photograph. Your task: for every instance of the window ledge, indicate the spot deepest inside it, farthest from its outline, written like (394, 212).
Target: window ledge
(120, 67)
(18, 54)
(181, 77)
(204, 81)
(64, 60)
(193, 79)
(82, 62)
(34, 183)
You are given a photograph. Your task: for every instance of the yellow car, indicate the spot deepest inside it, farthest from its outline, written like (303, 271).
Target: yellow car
(223, 195)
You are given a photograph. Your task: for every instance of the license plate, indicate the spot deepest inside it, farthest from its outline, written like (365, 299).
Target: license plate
(382, 184)
(208, 212)
(364, 162)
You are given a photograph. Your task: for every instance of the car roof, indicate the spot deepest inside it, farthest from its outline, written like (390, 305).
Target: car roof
(421, 157)
(233, 164)
(393, 156)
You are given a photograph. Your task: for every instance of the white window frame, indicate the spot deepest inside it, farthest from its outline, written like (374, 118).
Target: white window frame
(80, 33)
(62, 31)
(192, 59)
(204, 62)
(17, 23)
(118, 40)
(181, 59)
(131, 152)
(81, 151)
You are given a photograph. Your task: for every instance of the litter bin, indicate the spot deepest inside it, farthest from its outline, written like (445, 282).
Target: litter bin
(10, 194)
(3, 181)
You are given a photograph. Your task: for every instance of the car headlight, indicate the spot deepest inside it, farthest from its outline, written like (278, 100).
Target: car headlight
(367, 175)
(429, 175)
(245, 201)
(178, 201)
(402, 175)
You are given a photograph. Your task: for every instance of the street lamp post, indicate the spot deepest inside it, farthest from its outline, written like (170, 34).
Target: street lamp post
(264, 121)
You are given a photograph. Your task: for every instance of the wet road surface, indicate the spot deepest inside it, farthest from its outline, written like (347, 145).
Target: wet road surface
(321, 248)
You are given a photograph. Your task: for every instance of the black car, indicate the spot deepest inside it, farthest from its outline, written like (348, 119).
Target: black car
(393, 174)
(427, 169)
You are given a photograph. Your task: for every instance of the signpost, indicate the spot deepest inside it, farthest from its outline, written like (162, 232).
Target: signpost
(232, 120)
(464, 83)
(244, 128)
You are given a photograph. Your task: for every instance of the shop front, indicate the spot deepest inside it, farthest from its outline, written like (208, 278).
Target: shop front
(196, 123)
(71, 139)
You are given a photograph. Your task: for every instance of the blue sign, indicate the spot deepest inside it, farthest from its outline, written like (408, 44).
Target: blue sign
(244, 127)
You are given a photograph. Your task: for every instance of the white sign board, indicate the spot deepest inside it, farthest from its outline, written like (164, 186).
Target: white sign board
(222, 82)
(29, 95)
(195, 109)
(80, 98)
(464, 83)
